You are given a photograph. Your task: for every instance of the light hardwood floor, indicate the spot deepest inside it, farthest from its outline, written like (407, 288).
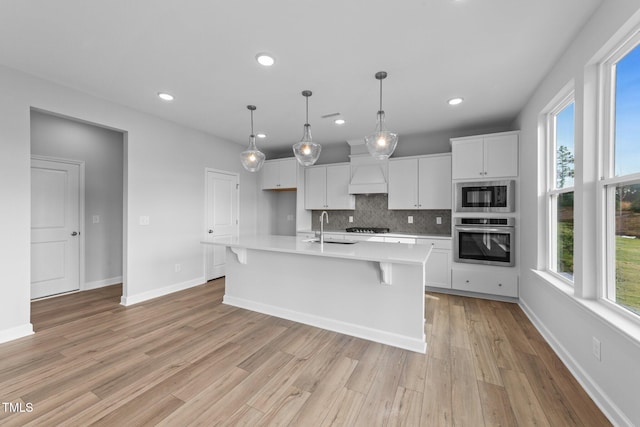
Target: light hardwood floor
(187, 359)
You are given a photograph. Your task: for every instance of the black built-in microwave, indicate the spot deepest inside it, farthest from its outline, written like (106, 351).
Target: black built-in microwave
(485, 196)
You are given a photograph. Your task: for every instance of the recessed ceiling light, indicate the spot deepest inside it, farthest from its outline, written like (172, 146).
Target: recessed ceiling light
(339, 121)
(265, 59)
(261, 135)
(165, 96)
(455, 101)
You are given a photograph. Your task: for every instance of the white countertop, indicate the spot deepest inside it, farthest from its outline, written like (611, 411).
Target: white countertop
(397, 253)
(416, 236)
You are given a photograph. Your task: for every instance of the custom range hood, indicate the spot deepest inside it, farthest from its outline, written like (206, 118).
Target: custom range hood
(368, 175)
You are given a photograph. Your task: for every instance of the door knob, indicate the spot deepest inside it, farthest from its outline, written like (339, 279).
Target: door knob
(210, 231)
(75, 233)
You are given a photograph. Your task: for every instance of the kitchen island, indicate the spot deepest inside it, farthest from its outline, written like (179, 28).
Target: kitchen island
(369, 290)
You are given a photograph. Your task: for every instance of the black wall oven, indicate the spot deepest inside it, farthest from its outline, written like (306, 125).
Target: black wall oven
(485, 196)
(489, 241)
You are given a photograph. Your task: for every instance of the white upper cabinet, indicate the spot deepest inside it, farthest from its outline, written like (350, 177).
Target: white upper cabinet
(420, 182)
(485, 156)
(270, 174)
(467, 158)
(501, 156)
(279, 174)
(315, 184)
(434, 182)
(403, 184)
(327, 187)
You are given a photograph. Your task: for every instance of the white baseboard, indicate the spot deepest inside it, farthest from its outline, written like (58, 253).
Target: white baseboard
(382, 337)
(15, 333)
(606, 405)
(155, 293)
(102, 283)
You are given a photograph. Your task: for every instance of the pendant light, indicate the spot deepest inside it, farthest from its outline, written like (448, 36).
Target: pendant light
(381, 143)
(252, 159)
(307, 151)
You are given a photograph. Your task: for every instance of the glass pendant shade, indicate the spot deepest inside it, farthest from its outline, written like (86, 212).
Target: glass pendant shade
(381, 143)
(252, 159)
(306, 151)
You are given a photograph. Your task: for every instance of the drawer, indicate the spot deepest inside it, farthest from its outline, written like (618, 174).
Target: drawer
(437, 243)
(493, 282)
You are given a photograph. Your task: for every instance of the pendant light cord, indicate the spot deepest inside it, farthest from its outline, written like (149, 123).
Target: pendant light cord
(307, 122)
(380, 95)
(251, 122)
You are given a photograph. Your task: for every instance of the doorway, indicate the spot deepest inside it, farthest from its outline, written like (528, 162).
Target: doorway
(221, 218)
(100, 225)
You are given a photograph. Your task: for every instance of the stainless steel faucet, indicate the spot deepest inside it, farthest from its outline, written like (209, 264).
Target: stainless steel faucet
(324, 213)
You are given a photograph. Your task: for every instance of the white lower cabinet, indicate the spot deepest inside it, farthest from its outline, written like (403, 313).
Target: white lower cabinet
(502, 281)
(438, 268)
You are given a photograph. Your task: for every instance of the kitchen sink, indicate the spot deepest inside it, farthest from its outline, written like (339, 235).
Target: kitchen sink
(336, 241)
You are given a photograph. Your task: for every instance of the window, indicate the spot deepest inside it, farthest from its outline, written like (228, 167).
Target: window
(620, 181)
(560, 127)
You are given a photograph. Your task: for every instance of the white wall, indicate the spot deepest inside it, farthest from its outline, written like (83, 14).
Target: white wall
(569, 322)
(284, 210)
(408, 145)
(102, 152)
(438, 141)
(164, 175)
(275, 208)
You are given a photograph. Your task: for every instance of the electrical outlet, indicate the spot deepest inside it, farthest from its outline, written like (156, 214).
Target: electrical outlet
(144, 220)
(410, 219)
(289, 217)
(595, 348)
(96, 219)
(350, 218)
(178, 268)
(438, 220)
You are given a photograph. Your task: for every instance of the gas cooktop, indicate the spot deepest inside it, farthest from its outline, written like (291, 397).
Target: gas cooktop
(369, 230)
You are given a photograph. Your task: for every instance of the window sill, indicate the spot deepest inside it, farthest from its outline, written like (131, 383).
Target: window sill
(624, 323)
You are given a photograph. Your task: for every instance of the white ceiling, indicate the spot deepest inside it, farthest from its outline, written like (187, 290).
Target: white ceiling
(492, 53)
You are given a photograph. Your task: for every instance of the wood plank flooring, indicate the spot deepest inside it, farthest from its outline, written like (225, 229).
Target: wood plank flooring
(187, 359)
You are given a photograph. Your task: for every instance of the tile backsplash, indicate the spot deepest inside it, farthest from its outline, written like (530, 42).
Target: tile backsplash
(371, 211)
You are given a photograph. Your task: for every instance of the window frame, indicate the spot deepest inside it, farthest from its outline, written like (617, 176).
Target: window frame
(565, 98)
(608, 182)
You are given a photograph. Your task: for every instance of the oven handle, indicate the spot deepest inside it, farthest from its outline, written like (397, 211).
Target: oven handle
(504, 230)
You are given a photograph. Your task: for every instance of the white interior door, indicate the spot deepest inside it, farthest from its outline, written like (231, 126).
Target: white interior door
(55, 227)
(221, 218)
